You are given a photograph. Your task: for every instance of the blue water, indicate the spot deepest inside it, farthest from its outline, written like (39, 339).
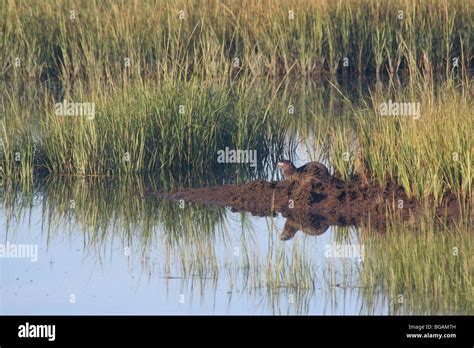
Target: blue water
(70, 278)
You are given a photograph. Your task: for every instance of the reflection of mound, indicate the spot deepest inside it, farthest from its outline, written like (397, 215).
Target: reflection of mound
(312, 202)
(313, 225)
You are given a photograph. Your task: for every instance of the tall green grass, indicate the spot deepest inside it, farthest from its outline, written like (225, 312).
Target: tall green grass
(140, 129)
(430, 155)
(373, 35)
(427, 266)
(154, 128)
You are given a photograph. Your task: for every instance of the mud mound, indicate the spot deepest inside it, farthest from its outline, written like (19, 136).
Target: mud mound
(312, 203)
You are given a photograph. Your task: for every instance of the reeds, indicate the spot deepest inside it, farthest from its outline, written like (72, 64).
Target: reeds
(172, 108)
(427, 266)
(183, 39)
(176, 129)
(431, 154)
(172, 128)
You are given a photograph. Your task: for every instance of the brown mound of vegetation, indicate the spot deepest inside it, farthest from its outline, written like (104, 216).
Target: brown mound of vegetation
(312, 203)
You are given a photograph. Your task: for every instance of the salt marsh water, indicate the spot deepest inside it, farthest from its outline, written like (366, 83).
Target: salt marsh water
(105, 247)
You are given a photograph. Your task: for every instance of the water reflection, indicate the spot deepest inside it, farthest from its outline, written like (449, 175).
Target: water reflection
(118, 252)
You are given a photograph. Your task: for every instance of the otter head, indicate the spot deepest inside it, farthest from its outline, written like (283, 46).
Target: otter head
(287, 168)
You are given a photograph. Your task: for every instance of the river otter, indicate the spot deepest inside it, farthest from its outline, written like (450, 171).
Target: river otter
(313, 168)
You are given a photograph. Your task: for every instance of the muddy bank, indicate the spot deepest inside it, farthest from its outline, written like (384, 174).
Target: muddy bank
(311, 203)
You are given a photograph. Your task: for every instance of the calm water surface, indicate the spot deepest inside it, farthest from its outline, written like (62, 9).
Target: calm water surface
(102, 249)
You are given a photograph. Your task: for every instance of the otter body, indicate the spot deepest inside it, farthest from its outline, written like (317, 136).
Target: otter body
(311, 168)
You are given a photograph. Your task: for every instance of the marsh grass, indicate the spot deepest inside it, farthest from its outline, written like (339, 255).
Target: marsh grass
(428, 267)
(430, 155)
(206, 40)
(161, 129)
(140, 130)
(188, 63)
